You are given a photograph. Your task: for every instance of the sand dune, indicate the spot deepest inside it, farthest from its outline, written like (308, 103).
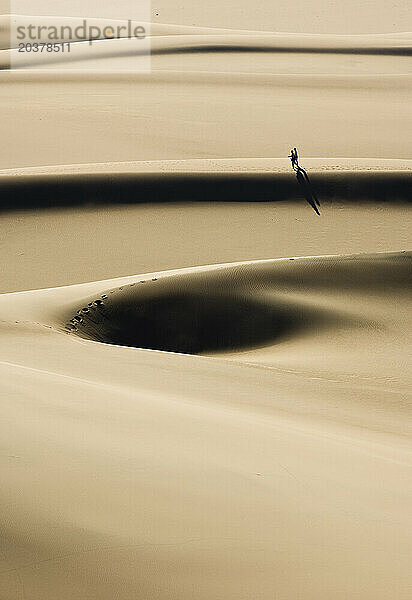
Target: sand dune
(205, 370)
(161, 116)
(203, 312)
(164, 39)
(95, 472)
(189, 44)
(175, 36)
(233, 308)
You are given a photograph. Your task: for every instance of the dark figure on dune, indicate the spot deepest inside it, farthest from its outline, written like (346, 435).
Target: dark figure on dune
(304, 182)
(294, 158)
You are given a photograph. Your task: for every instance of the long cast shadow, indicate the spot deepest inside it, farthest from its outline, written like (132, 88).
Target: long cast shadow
(307, 189)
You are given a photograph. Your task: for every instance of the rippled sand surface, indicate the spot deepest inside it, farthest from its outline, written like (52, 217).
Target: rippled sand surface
(205, 385)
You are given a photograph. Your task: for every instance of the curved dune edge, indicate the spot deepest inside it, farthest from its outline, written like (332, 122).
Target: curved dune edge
(309, 316)
(193, 43)
(185, 32)
(205, 312)
(103, 49)
(208, 165)
(121, 463)
(37, 304)
(223, 308)
(236, 307)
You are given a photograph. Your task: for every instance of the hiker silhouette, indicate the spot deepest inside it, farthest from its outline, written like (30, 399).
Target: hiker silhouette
(294, 158)
(304, 182)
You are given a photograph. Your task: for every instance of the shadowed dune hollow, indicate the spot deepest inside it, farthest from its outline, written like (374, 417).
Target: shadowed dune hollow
(221, 310)
(242, 306)
(190, 322)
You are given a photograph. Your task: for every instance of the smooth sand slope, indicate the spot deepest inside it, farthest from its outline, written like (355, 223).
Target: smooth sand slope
(206, 386)
(213, 104)
(133, 472)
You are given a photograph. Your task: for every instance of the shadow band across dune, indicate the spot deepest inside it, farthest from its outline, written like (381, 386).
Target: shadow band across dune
(43, 191)
(7, 61)
(231, 48)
